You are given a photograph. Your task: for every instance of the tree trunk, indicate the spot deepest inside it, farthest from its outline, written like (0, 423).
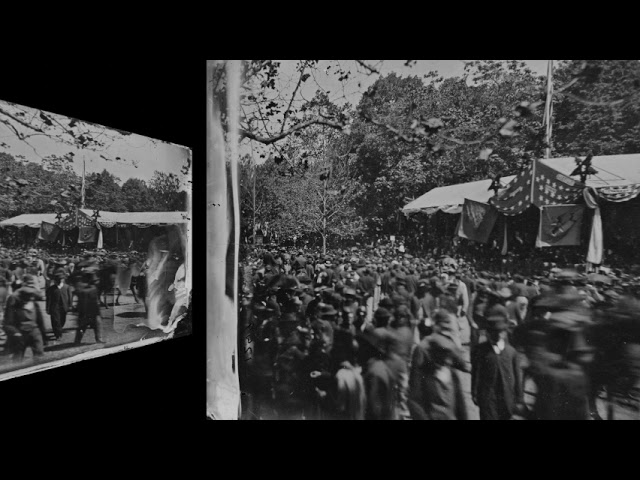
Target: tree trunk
(253, 237)
(324, 220)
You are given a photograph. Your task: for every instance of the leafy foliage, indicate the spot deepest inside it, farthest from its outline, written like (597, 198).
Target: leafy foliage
(53, 186)
(600, 113)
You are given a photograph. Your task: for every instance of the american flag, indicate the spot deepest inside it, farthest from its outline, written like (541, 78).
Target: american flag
(76, 219)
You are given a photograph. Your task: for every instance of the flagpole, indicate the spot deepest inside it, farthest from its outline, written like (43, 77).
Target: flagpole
(548, 109)
(83, 172)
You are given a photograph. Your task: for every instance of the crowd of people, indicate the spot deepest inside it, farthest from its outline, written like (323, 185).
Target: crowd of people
(369, 334)
(62, 284)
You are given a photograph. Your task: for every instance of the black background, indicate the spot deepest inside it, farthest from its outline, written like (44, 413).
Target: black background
(163, 98)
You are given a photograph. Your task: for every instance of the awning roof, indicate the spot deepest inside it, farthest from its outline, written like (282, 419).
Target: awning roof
(452, 197)
(142, 218)
(613, 171)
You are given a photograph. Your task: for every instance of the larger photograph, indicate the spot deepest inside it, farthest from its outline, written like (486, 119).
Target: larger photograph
(96, 236)
(423, 239)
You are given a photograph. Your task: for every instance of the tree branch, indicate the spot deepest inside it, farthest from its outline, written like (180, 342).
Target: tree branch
(293, 96)
(368, 67)
(597, 104)
(21, 122)
(295, 128)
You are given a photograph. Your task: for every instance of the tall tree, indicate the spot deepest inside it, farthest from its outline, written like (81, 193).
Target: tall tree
(167, 193)
(103, 192)
(136, 196)
(29, 187)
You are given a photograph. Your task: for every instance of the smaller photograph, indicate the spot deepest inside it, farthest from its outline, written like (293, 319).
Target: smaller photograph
(95, 246)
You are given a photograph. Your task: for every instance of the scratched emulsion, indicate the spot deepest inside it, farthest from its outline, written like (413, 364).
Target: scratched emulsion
(223, 393)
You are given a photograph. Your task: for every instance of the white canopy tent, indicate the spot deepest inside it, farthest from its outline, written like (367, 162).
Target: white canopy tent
(618, 176)
(450, 199)
(106, 219)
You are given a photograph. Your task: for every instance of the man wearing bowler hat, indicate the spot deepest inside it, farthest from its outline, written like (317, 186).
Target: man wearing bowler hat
(59, 301)
(496, 375)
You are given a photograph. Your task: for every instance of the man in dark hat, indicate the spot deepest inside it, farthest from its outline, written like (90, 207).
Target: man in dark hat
(305, 296)
(59, 301)
(23, 321)
(380, 380)
(289, 387)
(400, 293)
(435, 389)
(382, 318)
(496, 375)
(88, 309)
(316, 368)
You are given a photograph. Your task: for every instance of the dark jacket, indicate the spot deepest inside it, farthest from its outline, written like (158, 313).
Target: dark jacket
(380, 384)
(496, 381)
(15, 319)
(428, 398)
(88, 302)
(367, 284)
(58, 297)
(562, 392)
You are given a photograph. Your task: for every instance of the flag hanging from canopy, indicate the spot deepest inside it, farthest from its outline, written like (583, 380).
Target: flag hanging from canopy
(75, 220)
(87, 235)
(560, 225)
(540, 185)
(48, 232)
(477, 221)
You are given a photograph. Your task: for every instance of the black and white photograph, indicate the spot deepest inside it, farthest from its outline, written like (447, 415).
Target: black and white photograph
(95, 240)
(423, 239)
